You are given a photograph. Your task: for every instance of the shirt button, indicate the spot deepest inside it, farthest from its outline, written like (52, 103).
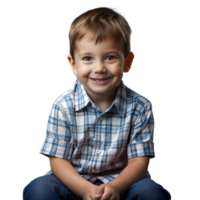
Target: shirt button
(93, 171)
(98, 152)
(101, 118)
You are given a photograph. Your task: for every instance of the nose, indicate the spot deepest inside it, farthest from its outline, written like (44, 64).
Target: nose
(99, 67)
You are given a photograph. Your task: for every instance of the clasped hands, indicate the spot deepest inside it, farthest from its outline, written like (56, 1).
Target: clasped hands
(102, 192)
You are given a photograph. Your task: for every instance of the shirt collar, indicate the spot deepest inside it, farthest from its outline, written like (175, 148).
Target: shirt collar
(81, 99)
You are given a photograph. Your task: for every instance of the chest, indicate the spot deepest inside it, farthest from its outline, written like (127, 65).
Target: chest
(103, 107)
(89, 127)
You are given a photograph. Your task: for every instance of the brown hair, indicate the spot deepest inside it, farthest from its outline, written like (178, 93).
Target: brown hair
(102, 23)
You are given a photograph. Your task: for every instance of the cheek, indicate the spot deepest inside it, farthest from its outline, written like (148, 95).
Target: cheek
(83, 71)
(117, 71)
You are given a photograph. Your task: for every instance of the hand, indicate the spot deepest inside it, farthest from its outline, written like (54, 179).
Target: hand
(107, 192)
(90, 192)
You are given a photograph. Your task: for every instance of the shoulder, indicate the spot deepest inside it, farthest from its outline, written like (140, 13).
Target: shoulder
(65, 100)
(135, 97)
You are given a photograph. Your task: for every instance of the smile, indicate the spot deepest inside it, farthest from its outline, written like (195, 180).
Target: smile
(102, 81)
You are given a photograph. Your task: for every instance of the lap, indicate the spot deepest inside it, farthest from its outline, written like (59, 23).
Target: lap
(146, 189)
(46, 188)
(50, 187)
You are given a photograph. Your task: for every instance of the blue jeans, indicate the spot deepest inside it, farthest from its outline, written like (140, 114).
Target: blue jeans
(49, 187)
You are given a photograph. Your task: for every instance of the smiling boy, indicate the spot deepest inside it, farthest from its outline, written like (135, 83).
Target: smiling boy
(99, 68)
(100, 133)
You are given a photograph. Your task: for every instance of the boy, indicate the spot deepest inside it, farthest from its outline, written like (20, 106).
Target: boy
(100, 133)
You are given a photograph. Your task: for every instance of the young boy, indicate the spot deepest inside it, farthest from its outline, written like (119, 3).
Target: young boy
(100, 133)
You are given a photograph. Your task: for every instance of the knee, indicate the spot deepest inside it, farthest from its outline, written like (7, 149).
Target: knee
(153, 190)
(37, 189)
(149, 190)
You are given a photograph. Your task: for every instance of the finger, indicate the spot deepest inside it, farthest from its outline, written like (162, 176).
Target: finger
(87, 198)
(115, 197)
(98, 196)
(100, 191)
(106, 195)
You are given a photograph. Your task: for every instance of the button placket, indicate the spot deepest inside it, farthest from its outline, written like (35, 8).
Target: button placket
(100, 118)
(98, 151)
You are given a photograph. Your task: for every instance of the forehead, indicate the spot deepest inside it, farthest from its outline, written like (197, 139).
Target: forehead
(90, 41)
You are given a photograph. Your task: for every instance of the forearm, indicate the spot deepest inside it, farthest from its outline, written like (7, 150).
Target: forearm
(135, 171)
(69, 176)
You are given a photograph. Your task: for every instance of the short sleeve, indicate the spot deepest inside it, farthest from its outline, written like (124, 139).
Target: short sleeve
(58, 140)
(141, 135)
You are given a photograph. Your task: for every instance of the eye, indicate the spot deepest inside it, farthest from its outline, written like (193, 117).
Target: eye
(90, 57)
(112, 56)
(85, 57)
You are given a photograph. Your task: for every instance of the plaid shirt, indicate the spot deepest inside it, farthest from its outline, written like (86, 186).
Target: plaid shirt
(97, 143)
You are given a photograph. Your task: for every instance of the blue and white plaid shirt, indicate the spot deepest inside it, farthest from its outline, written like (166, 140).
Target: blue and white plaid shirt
(99, 144)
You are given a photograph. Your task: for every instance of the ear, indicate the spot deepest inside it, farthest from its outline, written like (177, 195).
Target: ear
(72, 63)
(128, 62)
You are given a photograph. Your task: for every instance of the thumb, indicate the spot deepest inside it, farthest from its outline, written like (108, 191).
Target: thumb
(100, 191)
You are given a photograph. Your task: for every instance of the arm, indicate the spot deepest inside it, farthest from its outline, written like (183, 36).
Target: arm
(135, 171)
(140, 148)
(63, 169)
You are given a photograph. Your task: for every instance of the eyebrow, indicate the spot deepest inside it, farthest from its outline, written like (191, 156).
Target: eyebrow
(90, 53)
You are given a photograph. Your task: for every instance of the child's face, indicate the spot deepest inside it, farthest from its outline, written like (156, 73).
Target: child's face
(100, 67)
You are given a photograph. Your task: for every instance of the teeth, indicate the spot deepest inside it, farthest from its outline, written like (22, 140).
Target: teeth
(100, 79)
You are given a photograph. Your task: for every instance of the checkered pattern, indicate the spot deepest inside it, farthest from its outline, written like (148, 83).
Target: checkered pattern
(99, 144)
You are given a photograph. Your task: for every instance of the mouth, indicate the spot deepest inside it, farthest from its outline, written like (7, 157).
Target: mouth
(100, 79)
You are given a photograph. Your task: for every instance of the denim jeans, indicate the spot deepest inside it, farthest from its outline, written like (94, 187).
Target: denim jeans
(49, 187)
